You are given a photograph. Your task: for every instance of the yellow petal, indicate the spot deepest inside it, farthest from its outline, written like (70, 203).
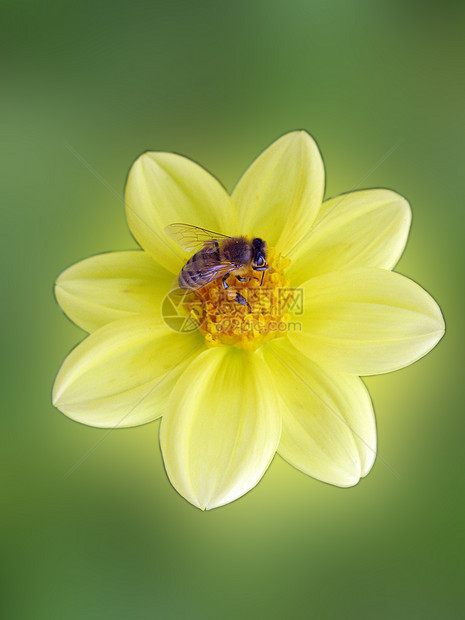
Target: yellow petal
(329, 429)
(279, 195)
(164, 188)
(359, 229)
(122, 374)
(222, 428)
(112, 286)
(366, 321)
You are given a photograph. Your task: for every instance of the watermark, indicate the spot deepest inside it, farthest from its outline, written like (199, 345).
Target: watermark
(183, 311)
(291, 300)
(245, 326)
(261, 300)
(238, 309)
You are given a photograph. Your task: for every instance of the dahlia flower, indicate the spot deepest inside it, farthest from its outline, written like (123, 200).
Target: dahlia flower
(254, 379)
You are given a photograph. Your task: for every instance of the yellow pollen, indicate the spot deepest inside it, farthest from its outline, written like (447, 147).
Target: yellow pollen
(226, 321)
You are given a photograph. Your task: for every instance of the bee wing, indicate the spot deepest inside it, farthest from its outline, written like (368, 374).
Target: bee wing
(209, 271)
(192, 238)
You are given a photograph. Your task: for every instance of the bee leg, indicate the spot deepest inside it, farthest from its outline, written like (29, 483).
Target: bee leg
(262, 269)
(238, 298)
(243, 301)
(246, 279)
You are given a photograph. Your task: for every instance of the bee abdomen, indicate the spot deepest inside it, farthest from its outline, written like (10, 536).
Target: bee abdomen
(189, 280)
(190, 277)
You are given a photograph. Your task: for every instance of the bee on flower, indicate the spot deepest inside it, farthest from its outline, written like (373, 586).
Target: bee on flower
(262, 373)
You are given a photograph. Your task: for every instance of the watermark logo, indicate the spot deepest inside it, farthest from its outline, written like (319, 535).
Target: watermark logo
(183, 311)
(262, 300)
(290, 300)
(268, 309)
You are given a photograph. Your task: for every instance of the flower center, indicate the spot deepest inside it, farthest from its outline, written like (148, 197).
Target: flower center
(245, 311)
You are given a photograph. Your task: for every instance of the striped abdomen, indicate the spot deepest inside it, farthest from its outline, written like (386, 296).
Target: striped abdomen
(200, 268)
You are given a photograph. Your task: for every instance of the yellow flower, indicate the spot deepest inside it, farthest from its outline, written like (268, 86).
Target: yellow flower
(231, 397)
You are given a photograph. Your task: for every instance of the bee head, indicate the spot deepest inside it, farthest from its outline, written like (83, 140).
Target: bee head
(258, 254)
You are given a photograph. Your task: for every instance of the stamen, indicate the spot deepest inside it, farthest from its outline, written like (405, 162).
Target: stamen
(228, 322)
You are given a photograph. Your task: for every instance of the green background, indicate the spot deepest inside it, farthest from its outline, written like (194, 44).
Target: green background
(218, 82)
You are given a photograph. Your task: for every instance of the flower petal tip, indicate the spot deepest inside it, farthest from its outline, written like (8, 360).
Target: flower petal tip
(56, 394)
(353, 476)
(438, 323)
(370, 460)
(347, 478)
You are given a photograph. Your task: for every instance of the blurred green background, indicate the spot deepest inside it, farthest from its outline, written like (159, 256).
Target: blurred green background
(218, 82)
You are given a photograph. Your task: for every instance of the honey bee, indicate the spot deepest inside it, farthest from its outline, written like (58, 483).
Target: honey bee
(217, 256)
